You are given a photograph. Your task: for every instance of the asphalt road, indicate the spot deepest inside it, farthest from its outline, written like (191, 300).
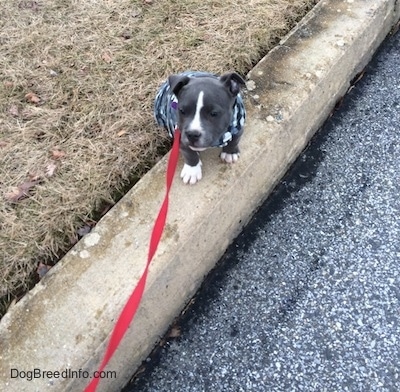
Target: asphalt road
(308, 296)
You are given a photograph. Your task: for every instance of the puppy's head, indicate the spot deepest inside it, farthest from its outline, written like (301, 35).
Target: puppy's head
(205, 106)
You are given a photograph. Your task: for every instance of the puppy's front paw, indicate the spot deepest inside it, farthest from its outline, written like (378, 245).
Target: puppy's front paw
(191, 174)
(229, 158)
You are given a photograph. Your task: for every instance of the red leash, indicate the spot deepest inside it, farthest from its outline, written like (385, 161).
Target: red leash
(131, 306)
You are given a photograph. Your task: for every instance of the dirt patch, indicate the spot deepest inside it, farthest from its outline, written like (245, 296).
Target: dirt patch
(77, 82)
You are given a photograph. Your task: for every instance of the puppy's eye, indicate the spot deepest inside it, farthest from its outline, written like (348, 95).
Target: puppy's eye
(181, 110)
(214, 113)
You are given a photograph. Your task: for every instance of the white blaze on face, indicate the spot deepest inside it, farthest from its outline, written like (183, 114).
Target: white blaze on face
(195, 124)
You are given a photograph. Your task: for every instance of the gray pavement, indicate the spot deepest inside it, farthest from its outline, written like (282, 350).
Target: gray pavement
(308, 296)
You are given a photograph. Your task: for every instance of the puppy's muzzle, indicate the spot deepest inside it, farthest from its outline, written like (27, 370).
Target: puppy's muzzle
(193, 136)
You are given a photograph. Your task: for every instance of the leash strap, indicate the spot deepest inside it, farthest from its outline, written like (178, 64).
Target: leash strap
(133, 302)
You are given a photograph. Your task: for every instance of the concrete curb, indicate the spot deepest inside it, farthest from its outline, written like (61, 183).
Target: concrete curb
(65, 321)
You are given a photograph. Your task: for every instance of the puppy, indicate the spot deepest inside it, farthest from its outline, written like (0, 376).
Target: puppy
(209, 112)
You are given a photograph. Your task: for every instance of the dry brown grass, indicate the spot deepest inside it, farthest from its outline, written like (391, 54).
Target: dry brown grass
(77, 81)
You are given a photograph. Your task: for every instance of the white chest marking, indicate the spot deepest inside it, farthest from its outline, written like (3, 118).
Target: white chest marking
(195, 124)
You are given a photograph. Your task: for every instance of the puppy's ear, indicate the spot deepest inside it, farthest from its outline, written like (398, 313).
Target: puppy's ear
(177, 82)
(232, 81)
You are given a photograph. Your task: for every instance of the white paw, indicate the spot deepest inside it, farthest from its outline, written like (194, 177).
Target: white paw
(191, 174)
(229, 158)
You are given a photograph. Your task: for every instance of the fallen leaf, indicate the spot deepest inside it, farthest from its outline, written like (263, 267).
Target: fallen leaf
(3, 144)
(50, 169)
(8, 84)
(14, 195)
(174, 332)
(13, 110)
(27, 4)
(106, 57)
(32, 98)
(84, 230)
(27, 185)
(42, 269)
(57, 153)
(20, 192)
(120, 133)
(126, 35)
(34, 177)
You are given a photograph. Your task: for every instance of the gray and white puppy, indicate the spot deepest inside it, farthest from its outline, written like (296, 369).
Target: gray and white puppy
(209, 112)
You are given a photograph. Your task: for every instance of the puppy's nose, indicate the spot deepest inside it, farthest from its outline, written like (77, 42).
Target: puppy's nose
(193, 136)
